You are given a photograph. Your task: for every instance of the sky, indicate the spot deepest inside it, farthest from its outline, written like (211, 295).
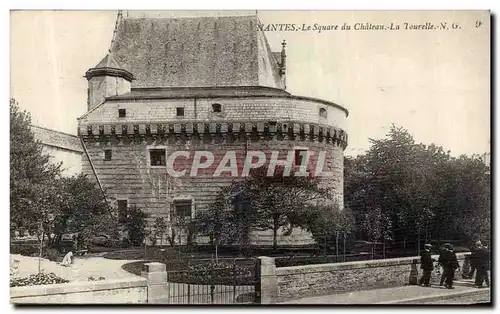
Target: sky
(434, 83)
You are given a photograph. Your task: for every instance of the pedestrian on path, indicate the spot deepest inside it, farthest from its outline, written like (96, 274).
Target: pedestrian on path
(448, 260)
(473, 259)
(427, 266)
(482, 264)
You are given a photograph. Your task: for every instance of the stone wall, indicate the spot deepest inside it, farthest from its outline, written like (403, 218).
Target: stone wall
(62, 147)
(247, 122)
(71, 161)
(321, 279)
(129, 176)
(120, 291)
(245, 108)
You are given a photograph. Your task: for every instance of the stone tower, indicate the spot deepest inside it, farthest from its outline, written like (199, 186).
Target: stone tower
(198, 84)
(108, 78)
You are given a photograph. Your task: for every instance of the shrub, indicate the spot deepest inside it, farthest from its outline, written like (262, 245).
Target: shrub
(37, 279)
(214, 273)
(136, 225)
(23, 249)
(52, 255)
(126, 243)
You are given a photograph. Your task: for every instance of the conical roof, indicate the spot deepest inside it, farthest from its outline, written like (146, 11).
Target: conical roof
(109, 61)
(108, 66)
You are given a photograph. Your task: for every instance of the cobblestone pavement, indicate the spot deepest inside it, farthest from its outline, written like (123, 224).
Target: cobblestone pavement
(405, 294)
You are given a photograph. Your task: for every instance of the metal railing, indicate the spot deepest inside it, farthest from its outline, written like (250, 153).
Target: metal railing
(226, 281)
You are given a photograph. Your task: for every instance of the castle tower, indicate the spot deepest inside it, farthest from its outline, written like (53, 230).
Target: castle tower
(107, 78)
(204, 83)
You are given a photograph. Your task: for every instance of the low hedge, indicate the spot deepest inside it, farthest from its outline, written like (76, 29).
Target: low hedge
(37, 279)
(24, 249)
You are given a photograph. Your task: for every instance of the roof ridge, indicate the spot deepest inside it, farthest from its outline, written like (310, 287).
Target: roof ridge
(52, 130)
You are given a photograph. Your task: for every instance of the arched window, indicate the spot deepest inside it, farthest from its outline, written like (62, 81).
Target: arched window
(322, 112)
(216, 108)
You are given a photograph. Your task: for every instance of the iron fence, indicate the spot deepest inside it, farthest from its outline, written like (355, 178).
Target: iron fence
(225, 281)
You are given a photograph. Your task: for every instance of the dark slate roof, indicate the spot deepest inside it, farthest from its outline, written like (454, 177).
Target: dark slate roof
(200, 92)
(57, 139)
(195, 51)
(109, 66)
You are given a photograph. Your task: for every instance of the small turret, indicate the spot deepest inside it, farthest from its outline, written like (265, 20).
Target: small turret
(107, 79)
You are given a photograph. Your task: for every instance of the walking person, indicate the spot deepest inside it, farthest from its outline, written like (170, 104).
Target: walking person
(483, 265)
(448, 260)
(427, 266)
(473, 259)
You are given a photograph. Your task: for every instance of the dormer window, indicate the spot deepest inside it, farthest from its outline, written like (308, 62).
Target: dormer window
(322, 112)
(216, 108)
(122, 113)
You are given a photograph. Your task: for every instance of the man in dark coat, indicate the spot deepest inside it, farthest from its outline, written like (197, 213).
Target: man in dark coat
(482, 264)
(473, 258)
(448, 260)
(427, 266)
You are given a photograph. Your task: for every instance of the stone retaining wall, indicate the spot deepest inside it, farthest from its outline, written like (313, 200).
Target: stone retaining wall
(120, 291)
(320, 279)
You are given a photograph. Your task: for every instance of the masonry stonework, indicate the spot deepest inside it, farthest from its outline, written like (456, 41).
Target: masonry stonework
(322, 279)
(233, 101)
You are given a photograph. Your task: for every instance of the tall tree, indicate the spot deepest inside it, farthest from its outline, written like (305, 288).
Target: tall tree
(263, 202)
(422, 190)
(84, 210)
(31, 171)
(277, 201)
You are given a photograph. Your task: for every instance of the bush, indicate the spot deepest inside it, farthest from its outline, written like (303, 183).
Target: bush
(52, 255)
(136, 225)
(215, 273)
(125, 243)
(38, 279)
(24, 249)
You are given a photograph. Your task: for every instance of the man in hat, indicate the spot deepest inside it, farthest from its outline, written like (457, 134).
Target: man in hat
(448, 260)
(473, 258)
(427, 266)
(482, 266)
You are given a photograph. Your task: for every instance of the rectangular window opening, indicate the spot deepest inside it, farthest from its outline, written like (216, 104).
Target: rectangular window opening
(108, 154)
(157, 157)
(122, 210)
(122, 113)
(183, 209)
(180, 111)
